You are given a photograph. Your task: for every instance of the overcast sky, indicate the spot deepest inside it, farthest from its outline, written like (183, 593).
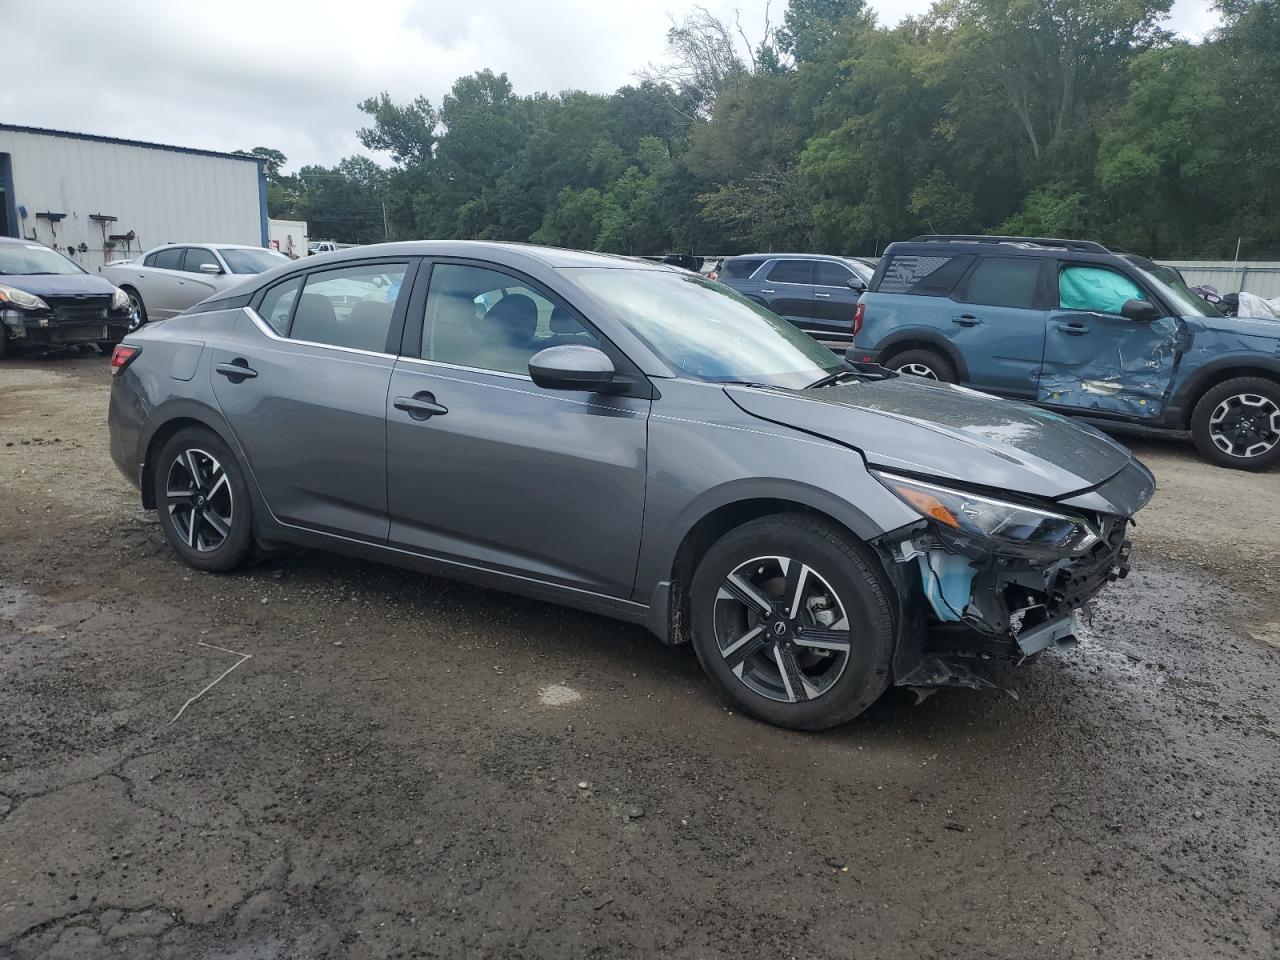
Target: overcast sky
(243, 73)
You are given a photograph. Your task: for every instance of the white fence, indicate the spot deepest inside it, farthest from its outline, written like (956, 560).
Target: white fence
(1260, 279)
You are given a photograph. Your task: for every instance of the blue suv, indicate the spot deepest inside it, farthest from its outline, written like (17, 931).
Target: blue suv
(1081, 329)
(815, 292)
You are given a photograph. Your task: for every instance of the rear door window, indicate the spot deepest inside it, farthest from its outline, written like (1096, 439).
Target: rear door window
(1002, 282)
(278, 304)
(350, 306)
(923, 274)
(1095, 289)
(170, 259)
(791, 271)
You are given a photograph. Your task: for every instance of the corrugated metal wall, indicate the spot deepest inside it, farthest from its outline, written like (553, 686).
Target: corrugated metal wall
(161, 195)
(1260, 279)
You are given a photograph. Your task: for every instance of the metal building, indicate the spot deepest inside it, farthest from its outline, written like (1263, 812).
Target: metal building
(101, 198)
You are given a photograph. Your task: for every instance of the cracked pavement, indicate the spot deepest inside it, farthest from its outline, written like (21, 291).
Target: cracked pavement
(386, 778)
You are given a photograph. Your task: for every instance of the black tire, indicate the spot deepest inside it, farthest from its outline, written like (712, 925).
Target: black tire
(4, 341)
(1236, 416)
(843, 684)
(140, 308)
(202, 542)
(922, 359)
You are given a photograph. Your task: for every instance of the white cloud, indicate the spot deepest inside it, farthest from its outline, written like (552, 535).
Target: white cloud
(244, 73)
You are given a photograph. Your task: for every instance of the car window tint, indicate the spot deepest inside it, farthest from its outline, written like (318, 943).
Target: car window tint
(923, 275)
(170, 259)
(1096, 289)
(476, 317)
(349, 307)
(197, 256)
(739, 268)
(277, 304)
(828, 273)
(791, 271)
(1002, 282)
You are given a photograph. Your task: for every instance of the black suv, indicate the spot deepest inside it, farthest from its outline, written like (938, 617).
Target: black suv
(1079, 328)
(816, 292)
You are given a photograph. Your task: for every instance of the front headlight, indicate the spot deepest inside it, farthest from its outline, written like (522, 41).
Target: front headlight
(20, 298)
(978, 516)
(119, 300)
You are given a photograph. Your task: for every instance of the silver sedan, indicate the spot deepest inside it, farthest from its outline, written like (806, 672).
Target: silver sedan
(166, 280)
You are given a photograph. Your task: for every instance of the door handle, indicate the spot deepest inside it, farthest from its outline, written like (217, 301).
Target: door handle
(421, 406)
(1073, 329)
(763, 290)
(966, 320)
(237, 370)
(826, 295)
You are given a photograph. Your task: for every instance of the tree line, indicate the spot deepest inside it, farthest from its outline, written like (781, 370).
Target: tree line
(831, 132)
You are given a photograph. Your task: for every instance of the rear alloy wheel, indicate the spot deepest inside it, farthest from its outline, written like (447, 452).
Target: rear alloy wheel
(137, 310)
(203, 501)
(925, 364)
(1237, 424)
(792, 622)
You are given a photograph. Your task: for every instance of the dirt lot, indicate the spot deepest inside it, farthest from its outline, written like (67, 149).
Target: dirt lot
(408, 767)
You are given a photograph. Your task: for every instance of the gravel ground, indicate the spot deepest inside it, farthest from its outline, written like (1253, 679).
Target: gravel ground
(403, 767)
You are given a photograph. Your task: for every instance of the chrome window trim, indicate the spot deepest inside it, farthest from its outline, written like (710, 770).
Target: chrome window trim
(461, 366)
(267, 331)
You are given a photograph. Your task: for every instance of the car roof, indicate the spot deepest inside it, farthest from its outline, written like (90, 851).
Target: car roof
(790, 256)
(23, 242)
(955, 245)
(556, 258)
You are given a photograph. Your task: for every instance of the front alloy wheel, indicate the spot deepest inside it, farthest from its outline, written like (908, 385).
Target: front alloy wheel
(792, 620)
(782, 629)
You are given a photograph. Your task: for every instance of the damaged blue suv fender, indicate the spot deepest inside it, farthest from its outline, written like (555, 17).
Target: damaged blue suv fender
(630, 439)
(1077, 328)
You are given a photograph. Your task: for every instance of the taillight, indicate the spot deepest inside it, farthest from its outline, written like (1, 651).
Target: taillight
(859, 314)
(121, 357)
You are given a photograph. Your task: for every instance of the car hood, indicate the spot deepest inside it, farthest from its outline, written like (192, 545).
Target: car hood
(943, 430)
(58, 284)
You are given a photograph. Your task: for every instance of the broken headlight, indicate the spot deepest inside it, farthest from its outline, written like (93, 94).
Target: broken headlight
(978, 516)
(20, 298)
(119, 299)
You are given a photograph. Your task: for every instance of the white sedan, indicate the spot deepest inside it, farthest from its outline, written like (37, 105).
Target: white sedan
(166, 280)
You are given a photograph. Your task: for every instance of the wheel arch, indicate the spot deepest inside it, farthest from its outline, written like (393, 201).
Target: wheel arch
(150, 446)
(1220, 371)
(712, 524)
(922, 340)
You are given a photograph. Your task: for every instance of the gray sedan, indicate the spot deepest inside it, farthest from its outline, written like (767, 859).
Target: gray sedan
(167, 280)
(630, 439)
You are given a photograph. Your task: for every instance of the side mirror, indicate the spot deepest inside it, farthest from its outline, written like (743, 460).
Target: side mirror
(571, 367)
(1140, 311)
(857, 284)
(210, 268)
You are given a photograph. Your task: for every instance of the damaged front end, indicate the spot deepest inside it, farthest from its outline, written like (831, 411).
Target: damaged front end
(985, 580)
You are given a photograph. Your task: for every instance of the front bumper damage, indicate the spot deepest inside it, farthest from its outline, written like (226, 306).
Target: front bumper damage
(969, 605)
(65, 325)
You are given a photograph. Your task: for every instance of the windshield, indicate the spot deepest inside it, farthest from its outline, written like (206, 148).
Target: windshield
(32, 258)
(709, 332)
(1170, 286)
(240, 260)
(863, 270)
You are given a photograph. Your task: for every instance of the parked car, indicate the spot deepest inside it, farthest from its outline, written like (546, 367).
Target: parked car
(815, 292)
(166, 280)
(1072, 326)
(631, 439)
(49, 300)
(321, 246)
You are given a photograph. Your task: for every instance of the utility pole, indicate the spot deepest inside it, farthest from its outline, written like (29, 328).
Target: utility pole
(386, 230)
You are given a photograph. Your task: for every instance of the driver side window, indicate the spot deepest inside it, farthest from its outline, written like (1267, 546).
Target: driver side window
(1095, 289)
(476, 317)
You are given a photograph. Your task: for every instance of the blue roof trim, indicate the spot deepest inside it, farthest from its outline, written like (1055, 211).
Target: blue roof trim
(262, 201)
(67, 135)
